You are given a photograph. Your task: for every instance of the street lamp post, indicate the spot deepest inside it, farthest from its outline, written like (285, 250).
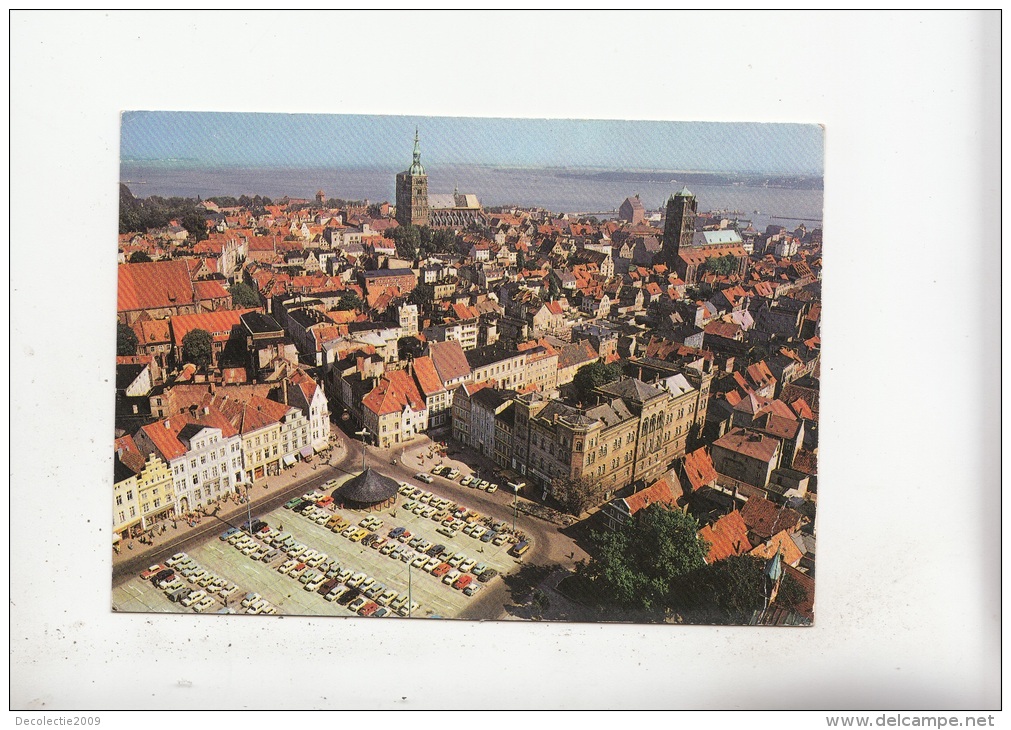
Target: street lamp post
(363, 433)
(410, 597)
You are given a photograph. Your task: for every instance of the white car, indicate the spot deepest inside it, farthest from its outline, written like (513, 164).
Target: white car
(456, 560)
(356, 580)
(203, 604)
(429, 566)
(193, 598)
(177, 558)
(419, 561)
(451, 577)
(423, 477)
(250, 599)
(467, 565)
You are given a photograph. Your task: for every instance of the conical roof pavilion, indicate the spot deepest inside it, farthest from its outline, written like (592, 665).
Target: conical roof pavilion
(369, 487)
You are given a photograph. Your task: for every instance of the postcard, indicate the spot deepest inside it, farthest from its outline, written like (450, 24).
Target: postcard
(475, 369)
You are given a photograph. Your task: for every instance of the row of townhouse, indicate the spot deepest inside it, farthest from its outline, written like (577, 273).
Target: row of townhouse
(233, 438)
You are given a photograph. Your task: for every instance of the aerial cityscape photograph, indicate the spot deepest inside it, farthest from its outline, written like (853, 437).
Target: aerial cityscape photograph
(488, 369)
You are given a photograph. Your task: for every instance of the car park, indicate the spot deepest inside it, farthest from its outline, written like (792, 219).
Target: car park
(345, 575)
(358, 534)
(406, 555)
(315, 583)
(487, 575)
(298, 571)
(456, 560)
(228, 590)
(387, 597)
(471, 589)
(478, 531)
(287, 565)
(468, 565)
(488, 536)
(357, 603)
(179, 594)
(172, 586)
(296, 550)
(451, 577)
(376, 589)
(387, 548)
(430, 564)
(308, 576)
(406, 610)
(326, 586)
(500, 539)
(367, 583)
(463, 581)
(441, 569)
(419, 561)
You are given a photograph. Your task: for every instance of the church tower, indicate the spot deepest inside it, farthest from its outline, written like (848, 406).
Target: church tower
(679, 229)
(412, 192)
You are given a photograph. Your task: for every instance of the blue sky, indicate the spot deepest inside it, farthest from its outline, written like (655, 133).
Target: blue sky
(317, 140)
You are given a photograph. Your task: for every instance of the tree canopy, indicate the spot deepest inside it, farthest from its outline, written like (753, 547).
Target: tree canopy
(593, 376)
(420, 241)
(349, 301)
(639, 565)
(141, 214)
(243, 295)
(422, 295)
(577, 495)
(139, 257)
(197, 348)
(656, 563)
(721, 265)
(126, 340)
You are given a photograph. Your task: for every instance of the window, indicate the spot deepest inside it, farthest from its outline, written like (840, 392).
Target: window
(203, 459)
(157, 503)
(133, 511)
(146, 508)
(122, 516)
(129, 494)
(195, 480)
(119, 500)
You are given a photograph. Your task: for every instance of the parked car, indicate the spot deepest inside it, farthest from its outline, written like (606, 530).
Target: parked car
(336, 592)
(423, 477)
(441, 569)
(179, 594)
(292, 503)
(203, 604)
(193, 598)
(451, 577)
(468, 565)
(151, 571)
(487, 575)
(163, 576)
(466, 481)
(177, 558)
(350, 595)
(492, 488)
(463, 581)
(453, 474)
(472, 589)
(357, 604)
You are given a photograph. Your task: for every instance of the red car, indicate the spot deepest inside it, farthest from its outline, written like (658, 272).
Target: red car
(151, 571)
(441, 569)
(368, 609)
(463, 581)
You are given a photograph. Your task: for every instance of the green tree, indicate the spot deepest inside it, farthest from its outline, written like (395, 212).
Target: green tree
(407, 240)
(521, 260)
(579, 494)
(139, 257)
(197, 348)
(640, 564)
(350, 301)
(195, 223)
(126, 340)
(243, 295)
(593, 376)
(727, 592)
(721, 265)
(422, 295)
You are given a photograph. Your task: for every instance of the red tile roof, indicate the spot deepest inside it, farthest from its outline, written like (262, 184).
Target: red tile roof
(781, 541)
(154, 285)
(765, 519)
(165, 434)
(699, 469)
(727, 536)
(427, 376)
(749, 443)
(218, 324)
(660, 491)
(395, 390)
